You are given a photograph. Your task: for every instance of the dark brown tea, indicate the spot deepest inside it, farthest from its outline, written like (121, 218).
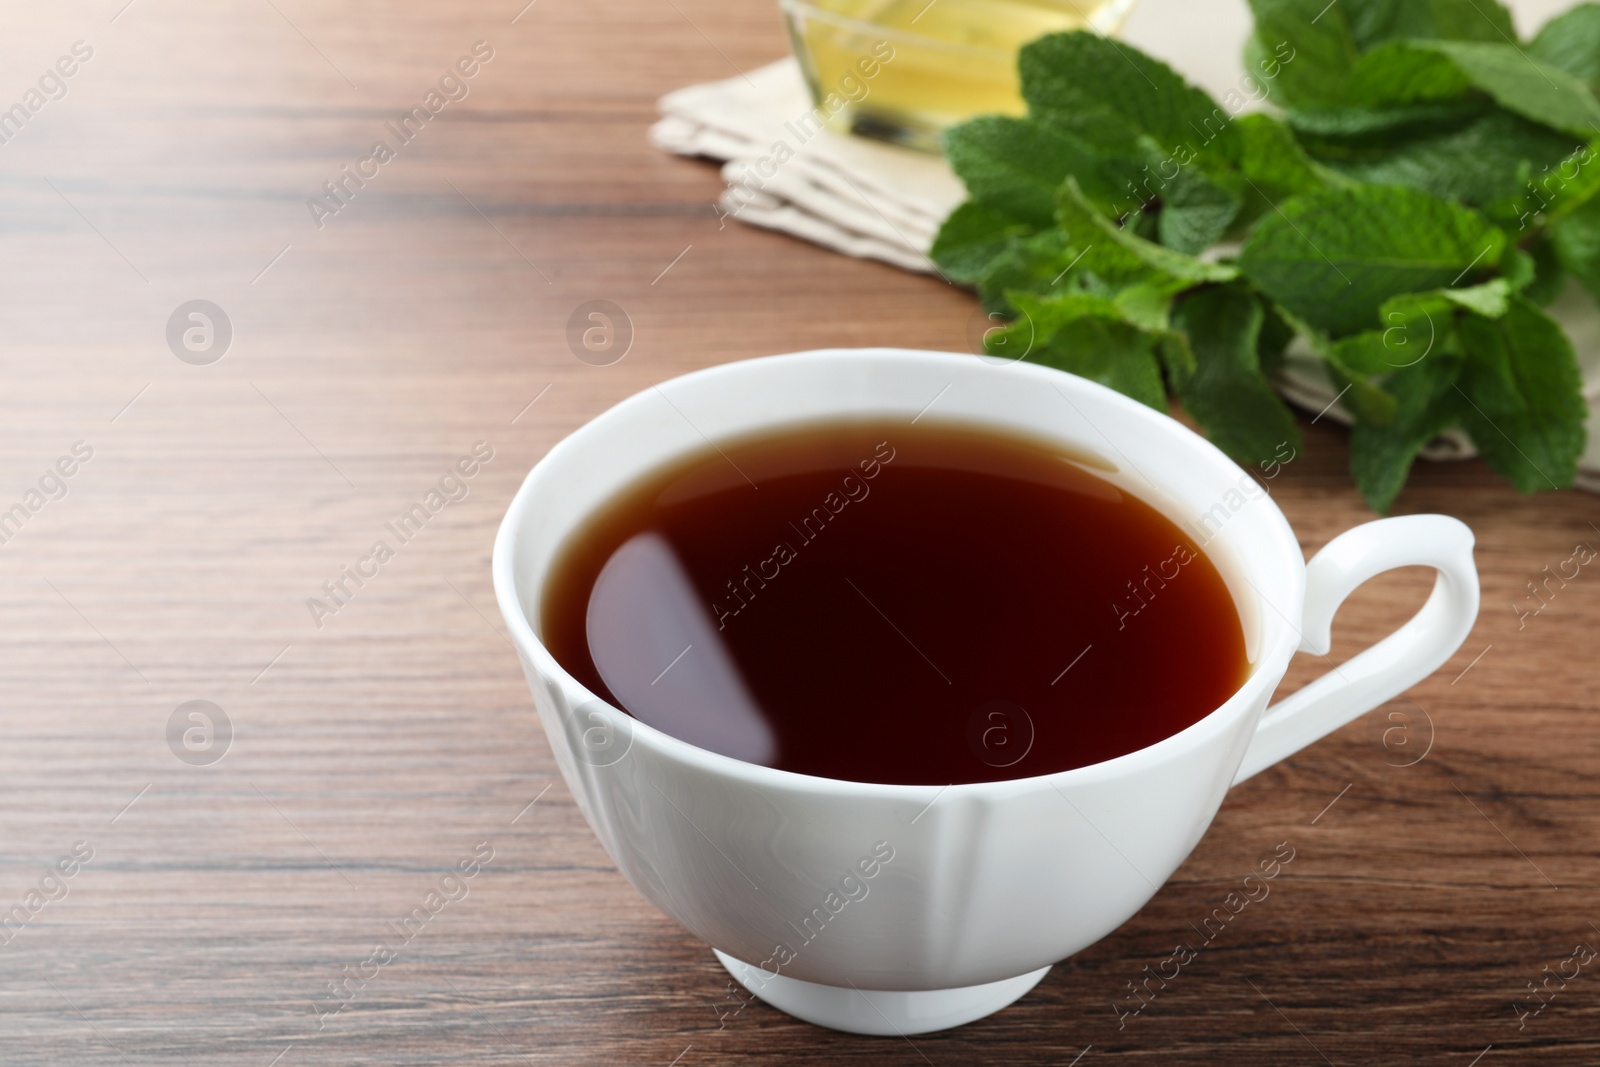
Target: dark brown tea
(885, 601)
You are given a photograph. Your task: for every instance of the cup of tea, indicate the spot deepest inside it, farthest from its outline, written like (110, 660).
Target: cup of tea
(899, 676)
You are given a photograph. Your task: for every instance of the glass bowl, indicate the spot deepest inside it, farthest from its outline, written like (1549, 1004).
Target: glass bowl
(905, 70)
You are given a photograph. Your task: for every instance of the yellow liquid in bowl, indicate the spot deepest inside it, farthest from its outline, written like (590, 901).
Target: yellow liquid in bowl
(904, 70)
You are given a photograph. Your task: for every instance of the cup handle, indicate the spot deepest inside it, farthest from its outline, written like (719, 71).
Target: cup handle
(1394, 664)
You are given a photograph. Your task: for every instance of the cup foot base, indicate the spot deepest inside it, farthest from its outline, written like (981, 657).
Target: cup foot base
(880, 1013)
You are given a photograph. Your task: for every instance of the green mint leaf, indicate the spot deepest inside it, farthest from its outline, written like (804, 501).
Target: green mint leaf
(1195, 213)
(1320, 45)
(1576, 242)
(1333, 257)
(1327, 40)
(1485, 160)
(1178, 360)
(1553, 192)
(1419, 325)
(1491, 299)
(1389, 123)
(1524, 399)
(1426, 405)
(1274, 164)
(1040, 318)
(1401, 73)
(1085, 252)
(1015, 166)
(1228, 394)
(1544, 277)
(1114, 354)
(1047, 329)
(1263, 65)
(1092, 255)
(1379, 351)
(1376, 21)
(1109, 93)
(1520, 269)
(1117, 255)
(971, 239)
(1276, 333)
(1134, 180)
(1531, 89)
(1104, 349)
(1032, 264)
(1368, 401)
(1144, 224)
(1147, 305)
(1516, 82)
(1571, 42)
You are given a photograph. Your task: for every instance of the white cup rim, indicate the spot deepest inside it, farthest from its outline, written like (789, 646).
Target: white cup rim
(1267, 670)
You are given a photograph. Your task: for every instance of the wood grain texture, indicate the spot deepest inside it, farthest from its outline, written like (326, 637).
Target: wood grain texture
(371, 754)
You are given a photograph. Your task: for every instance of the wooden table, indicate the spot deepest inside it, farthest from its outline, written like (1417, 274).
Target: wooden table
(370, 749)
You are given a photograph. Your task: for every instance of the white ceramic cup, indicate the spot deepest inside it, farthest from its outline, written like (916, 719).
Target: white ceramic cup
(894, 909)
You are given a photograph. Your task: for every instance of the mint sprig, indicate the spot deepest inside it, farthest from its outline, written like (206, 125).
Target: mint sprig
(1430, 183)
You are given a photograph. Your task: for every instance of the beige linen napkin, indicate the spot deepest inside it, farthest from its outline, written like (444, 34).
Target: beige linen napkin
(882, 202)
(860, 197)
